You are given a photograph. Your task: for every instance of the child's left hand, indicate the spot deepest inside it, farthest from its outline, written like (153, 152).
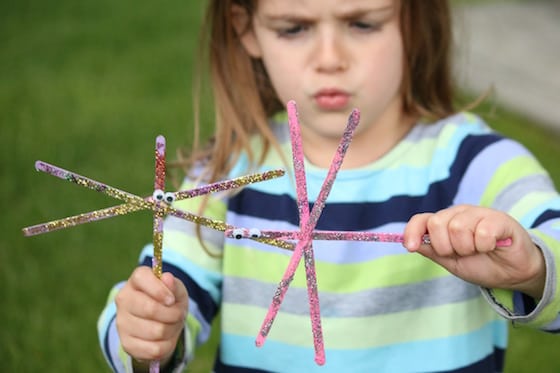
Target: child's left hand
(463, 240)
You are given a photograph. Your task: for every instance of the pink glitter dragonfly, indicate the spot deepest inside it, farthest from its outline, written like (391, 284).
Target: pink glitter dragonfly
(306, 234)
(307, 221)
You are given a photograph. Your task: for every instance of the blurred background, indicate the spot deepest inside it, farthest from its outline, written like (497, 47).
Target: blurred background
(89, 85)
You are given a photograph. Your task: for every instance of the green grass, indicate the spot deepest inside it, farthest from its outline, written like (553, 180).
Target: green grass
(88, 85)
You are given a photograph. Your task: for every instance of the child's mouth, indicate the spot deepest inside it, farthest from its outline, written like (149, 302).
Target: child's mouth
(332, 99)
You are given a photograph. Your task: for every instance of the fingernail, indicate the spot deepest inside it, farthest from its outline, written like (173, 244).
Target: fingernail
(169, 300)
(410, 245)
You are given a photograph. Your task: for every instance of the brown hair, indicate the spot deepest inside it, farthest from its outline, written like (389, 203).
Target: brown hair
(244, 98)
(427, 86)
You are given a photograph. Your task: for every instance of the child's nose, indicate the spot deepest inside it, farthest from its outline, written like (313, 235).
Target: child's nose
(330, 54)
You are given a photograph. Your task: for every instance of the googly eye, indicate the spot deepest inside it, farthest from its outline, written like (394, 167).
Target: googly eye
(169, 197)
(158, 195)
(254, 232)
(237, 233)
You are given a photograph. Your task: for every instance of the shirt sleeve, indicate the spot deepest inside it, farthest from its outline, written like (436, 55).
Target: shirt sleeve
(193, 255)
(519, 186)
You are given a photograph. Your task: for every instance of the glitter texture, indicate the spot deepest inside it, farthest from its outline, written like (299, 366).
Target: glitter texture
(336, 236)
(308, 221)
(160, 209)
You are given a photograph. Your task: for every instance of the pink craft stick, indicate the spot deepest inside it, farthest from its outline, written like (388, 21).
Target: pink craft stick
(335, 236)
(303, 212)
(159, 213)
(307, 224)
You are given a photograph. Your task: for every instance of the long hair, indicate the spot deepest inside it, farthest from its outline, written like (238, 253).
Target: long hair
(244, 99)
(427, 86)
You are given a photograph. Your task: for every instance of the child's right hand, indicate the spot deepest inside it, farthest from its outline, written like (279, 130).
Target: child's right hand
(151, 314)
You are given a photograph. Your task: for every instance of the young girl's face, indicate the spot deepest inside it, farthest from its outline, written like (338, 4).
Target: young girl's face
(331, 56)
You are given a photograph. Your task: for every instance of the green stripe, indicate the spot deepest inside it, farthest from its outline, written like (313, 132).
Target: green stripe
(550, 312)
(427, 323)
(528, 203)
(214, 209)
(509, 172)
(333, 277)
(189, 247)
(194, 328)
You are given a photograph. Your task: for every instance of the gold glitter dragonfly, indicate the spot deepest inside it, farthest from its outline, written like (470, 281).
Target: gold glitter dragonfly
(159, 202)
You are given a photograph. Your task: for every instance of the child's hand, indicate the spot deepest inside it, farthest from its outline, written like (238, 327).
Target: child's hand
(151, 314)
(463, 240)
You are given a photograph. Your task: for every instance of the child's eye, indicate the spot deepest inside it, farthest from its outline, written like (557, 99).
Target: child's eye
(365, 26)
(291, 31)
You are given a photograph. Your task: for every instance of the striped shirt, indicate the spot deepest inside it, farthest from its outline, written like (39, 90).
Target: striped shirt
(383, 309)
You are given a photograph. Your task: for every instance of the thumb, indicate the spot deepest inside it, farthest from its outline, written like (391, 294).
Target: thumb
(175, 286)
(169, 281)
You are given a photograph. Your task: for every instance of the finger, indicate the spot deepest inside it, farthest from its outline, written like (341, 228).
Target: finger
(415, 230)
(144, 280)
(491, 229)
(177, 287)
(146, 350)
(147, 308)
(437, 226)
(148, 330)
(461, 230)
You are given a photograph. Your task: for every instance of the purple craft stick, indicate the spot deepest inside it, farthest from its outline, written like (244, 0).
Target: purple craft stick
(307, 224)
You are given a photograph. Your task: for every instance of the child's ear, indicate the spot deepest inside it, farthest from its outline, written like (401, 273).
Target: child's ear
(242, 24)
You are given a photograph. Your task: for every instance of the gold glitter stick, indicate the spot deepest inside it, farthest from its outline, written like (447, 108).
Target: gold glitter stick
(127, 208)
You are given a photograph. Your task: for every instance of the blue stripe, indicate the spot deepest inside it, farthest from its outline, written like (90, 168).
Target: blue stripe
(110, 309)
(408, 180)
(492, 363)
(545, 216)
(208, 308)
(106, 347)
(367, 215)
(209, 281)
(446, 354)
(340, 252)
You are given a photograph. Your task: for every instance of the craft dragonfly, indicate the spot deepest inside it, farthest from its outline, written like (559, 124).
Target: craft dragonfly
(159, 202)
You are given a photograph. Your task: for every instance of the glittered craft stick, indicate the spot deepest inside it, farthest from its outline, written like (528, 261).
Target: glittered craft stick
(235, 183)
(92, 184)
(75, 220)
(136, 203)
(308, 220)
(127, 208)
(159, 213)
(294, 235)
(222, 227)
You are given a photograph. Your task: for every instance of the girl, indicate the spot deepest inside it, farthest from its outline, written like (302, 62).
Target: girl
(415, 165)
